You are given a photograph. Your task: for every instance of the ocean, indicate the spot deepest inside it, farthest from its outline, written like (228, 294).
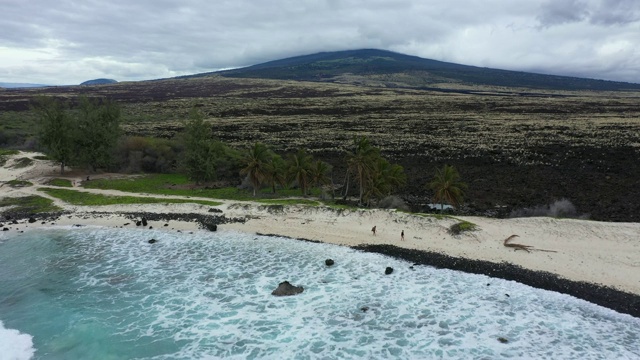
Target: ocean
(107, 293)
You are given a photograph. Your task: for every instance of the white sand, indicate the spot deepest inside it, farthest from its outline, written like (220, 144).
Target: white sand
(596, 252)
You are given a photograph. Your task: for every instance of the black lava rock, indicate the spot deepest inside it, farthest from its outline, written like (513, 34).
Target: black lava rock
(286, 289)
(329, 262)
(388, 270)
(152, 241)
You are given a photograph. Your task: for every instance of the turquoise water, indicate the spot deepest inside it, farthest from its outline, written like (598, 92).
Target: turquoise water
(98, 293)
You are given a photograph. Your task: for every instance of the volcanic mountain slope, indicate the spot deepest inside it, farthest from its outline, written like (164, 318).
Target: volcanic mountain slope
(389, 69)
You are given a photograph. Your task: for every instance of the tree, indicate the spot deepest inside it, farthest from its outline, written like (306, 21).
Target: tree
(360, 162)
(96, 132)
(300, 169)
(55, 130)
(256, 162)
(383, 180)
(276, 172)
(447, 187)
(319, 173)
(199, 153)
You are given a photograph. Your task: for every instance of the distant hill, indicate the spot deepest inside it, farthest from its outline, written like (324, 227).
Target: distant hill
(390, 69)
(99, 82)
(20, 85)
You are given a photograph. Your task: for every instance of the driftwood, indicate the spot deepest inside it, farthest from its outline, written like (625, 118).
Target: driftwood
(526, 248)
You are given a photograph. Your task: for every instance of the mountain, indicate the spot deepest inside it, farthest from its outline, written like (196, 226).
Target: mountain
(389, 69)
(99, 82)
(20, 85)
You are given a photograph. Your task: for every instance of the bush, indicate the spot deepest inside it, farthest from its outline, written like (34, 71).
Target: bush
(559, 209)
(459, 228)
(393, 202)
(135, 154)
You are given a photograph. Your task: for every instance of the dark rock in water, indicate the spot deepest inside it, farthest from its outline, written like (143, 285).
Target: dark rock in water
(503, 340)
(150, 227)
(14, 222)
(507, 295)
(286, 289)
(144, 221)
(364, 308)
(388, 270)
(127, 224)
(5, 229)
(328, 262)
(152, 241)
(42, 223)
(138, 223)
(166, 225)
(214, 210)
(31, 220)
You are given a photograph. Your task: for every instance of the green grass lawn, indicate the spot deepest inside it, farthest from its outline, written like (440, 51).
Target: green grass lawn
(18, 183)
(169, 184)
(29, 204)
(82, 198)
(60, 182)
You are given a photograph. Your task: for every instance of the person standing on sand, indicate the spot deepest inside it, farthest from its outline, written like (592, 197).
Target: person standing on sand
(402, 235)
(373, 230)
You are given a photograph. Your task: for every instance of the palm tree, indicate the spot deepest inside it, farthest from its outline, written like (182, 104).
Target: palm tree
(300, 169)
(384, 179)
(320, 173)
(276, 171)
(361, 162)
(448, 187)
(256, 160)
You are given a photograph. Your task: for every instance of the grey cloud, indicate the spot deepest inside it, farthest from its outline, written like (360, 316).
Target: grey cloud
(616, 12)
(555, 12)
(133, 40)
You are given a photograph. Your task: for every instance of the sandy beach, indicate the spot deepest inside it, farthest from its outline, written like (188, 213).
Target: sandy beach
(601, 253)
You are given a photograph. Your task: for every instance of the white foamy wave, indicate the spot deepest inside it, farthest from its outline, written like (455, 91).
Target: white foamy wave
(15, 345)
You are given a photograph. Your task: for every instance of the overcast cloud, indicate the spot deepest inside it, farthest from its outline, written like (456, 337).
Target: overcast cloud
(70, 41)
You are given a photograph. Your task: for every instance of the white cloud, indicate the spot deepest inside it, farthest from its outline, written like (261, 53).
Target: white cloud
(69, 41)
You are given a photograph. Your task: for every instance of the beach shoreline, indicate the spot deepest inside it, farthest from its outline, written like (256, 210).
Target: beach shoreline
(601, 294)
(596, 261)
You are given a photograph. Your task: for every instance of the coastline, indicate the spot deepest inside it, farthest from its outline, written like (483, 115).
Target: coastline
(595, 261)
(251, 218)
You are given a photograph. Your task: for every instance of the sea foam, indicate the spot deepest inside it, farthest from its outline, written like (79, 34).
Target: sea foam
(15, 345)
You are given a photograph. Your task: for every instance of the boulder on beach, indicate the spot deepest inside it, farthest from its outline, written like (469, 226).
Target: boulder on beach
(210, 226)
(286, 289)
(388, 270)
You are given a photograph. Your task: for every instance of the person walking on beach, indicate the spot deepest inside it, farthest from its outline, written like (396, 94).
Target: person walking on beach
(402, 235)
(373, 230)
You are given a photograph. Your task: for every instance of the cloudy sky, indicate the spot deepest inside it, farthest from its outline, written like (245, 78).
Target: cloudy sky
(69, 41)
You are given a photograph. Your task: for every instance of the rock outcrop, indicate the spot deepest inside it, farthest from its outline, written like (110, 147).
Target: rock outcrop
(286, 289)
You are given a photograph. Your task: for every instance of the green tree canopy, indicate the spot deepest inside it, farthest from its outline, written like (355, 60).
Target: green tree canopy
(97, 129)
(198, 154)
(256, 161)
(55, 131)
(299, 169)
(447, 186)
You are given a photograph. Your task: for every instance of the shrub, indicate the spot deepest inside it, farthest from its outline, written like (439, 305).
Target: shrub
(459, 228)
(559, 209)
(393, 202)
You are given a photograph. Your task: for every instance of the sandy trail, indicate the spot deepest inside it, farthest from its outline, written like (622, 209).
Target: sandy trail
(596, 252)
